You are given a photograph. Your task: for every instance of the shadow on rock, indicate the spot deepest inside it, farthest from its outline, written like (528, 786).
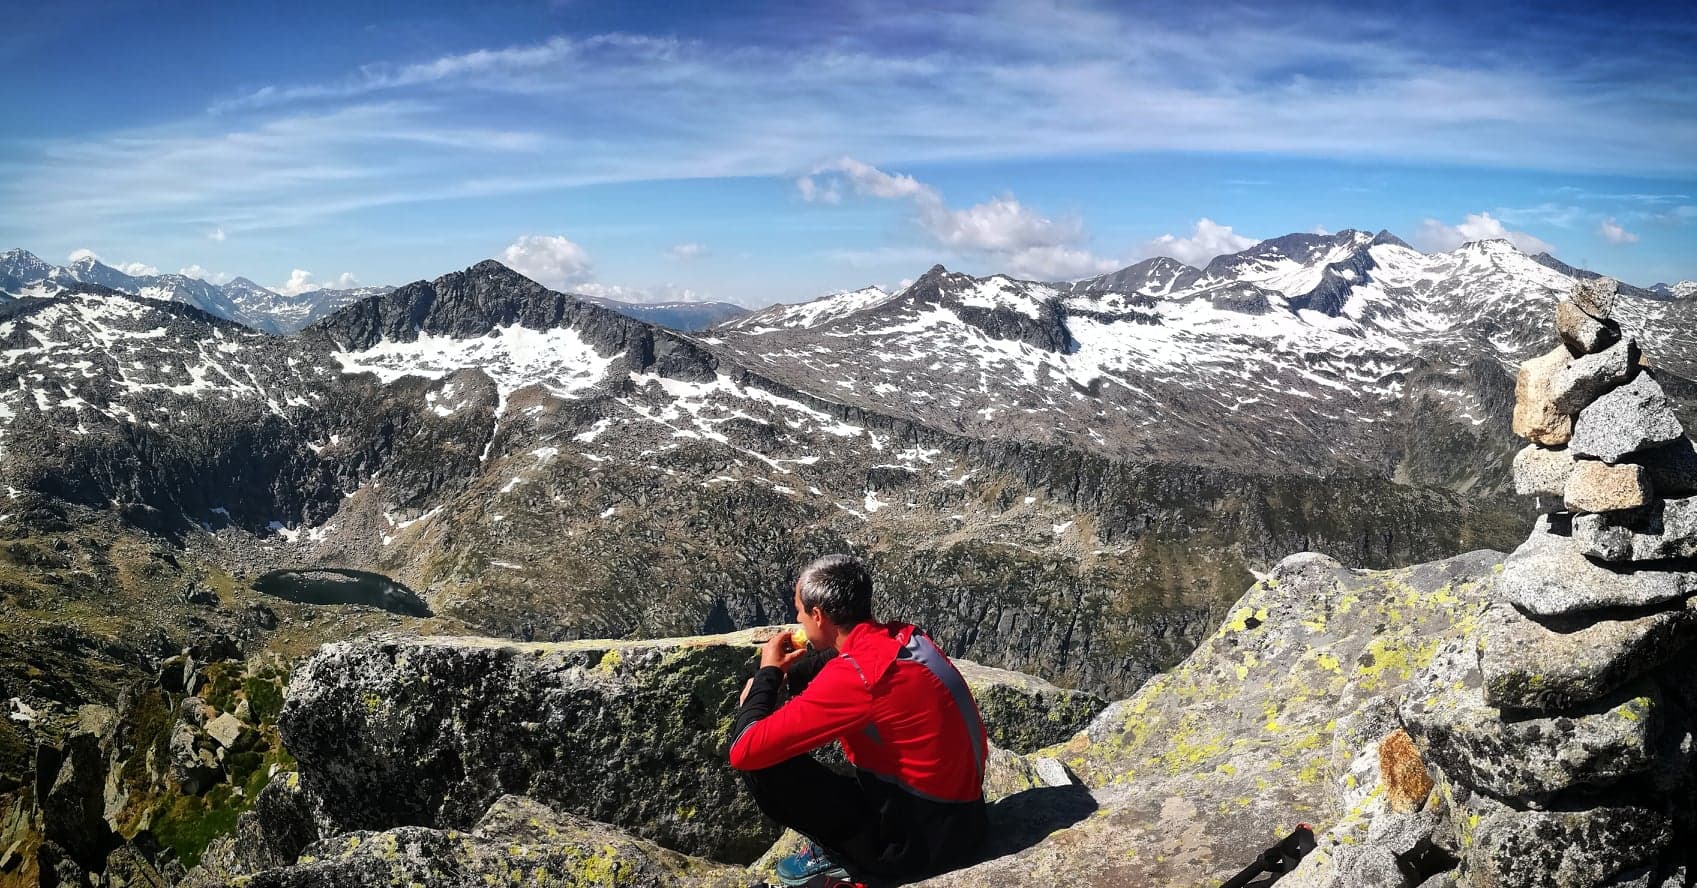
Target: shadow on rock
(1026, 818)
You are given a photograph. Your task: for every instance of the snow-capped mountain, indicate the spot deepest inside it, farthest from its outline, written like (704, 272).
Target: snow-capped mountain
(1318, 353)
(1681, 290)
(1017, 455)
(241, 300)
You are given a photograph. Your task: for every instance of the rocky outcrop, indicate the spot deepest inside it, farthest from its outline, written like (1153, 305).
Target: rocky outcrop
(1277, 717)
(1562, 730)
(516, 841)
(429, 732)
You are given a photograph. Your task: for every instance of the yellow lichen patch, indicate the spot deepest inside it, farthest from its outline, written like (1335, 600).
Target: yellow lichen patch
(1239, 621)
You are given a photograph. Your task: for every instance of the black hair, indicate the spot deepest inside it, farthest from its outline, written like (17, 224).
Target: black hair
(839, 585)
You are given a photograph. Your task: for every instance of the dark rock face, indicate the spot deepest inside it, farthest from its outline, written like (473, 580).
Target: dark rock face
(429, 733)
(489, 296)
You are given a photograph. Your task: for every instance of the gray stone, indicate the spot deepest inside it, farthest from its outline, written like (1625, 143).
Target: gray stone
(1581, 333)
(1404, 834)
(194, 766)
(1588, 378)
(1599, 487)
(1052, 772)
(1634, 417)
(1662, 530)
(226, 729)
(1564, 849)
(1535, 415)
(1603, 537)
(1528, 665)
(1371, 865)
(1672, 467)
(1524, 759)
(1549, 575)
(1542, 471)
(1595, 297)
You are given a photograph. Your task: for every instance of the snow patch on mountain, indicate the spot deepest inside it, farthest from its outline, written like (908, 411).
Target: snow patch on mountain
(809, 314)
(513, 356)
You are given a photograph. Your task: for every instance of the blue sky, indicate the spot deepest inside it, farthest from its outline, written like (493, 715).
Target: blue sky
(775, 152)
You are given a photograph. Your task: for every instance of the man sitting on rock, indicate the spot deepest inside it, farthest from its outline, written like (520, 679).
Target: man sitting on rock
(904, 717)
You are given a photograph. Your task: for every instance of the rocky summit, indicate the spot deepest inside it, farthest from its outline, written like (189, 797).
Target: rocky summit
(1477, 721)
(334, 608)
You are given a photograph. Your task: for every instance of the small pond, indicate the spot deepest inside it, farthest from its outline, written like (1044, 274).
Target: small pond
(334, 585)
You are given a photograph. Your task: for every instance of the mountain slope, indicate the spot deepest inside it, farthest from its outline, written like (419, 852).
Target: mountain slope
(1347, 353)
(241, 300)
(534, 464)
(687, 316)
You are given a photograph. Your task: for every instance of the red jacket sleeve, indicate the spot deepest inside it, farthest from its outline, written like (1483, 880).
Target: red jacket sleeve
(835, 703)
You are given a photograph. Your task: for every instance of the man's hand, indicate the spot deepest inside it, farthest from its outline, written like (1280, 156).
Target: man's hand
(780, 652)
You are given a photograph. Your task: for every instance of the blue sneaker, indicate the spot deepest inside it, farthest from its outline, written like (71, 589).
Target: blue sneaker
(797, 869)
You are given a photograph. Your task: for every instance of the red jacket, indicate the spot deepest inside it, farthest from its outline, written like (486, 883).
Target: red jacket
(898, 705)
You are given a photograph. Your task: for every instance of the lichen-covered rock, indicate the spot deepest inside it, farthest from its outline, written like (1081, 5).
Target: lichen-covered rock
(1525, 759)
(1549, 575)
(271, 834)
(1542, 471)
(1535, 415)
(1218, 759)
(1581, 333)
(1025, 713)
(1553, 663)
(1599, 487)
(1564, 849)
(518, 842)
(430, 731)
(1634, 417)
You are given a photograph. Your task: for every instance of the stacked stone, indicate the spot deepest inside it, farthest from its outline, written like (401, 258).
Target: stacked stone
(1562, 731)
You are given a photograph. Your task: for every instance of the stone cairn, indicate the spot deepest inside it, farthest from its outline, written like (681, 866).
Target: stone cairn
(1560, 731)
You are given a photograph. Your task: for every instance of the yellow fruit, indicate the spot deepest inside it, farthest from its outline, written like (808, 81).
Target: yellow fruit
(799, 639)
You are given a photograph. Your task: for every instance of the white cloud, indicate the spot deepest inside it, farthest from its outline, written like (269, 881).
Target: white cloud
(211, 277)
(216, 234)
(685, 252)
(136, 269)
(550, 260)
(1207, 240)
(812, 192)
(300, 281)
(1614, 234)
(1434, 235)
(84, 253)
(1058, 263)
(1020, 240)
(561, 264)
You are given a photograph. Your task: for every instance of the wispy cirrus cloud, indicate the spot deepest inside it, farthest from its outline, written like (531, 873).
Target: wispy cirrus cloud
(1003, 80)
